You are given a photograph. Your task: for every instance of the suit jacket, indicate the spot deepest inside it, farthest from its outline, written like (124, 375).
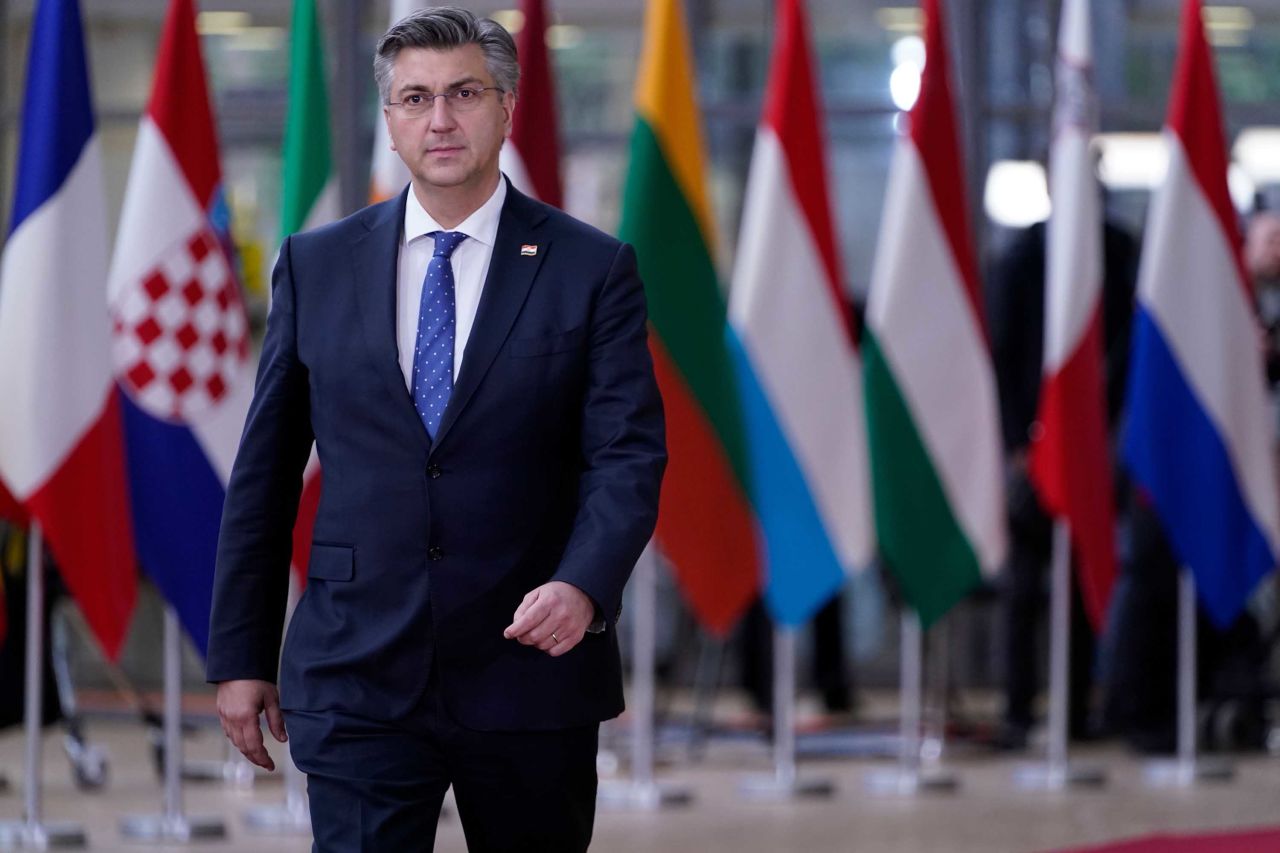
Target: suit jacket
(546, 466)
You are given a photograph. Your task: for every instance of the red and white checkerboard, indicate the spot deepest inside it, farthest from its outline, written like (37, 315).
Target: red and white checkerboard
(181, 334)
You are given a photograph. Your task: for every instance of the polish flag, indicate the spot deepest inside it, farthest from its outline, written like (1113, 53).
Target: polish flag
(1070, 462)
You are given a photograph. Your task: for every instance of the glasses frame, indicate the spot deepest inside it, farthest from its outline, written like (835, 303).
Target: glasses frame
(450, 99)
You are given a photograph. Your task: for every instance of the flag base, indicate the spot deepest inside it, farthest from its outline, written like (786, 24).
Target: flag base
(172, 828)
(785, 787)
(20, 835)
(900, 782)
(288, 818)
(623, 795)
(1050, 776)
(1180, 773)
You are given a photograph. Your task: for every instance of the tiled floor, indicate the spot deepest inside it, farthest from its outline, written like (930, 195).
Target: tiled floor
(988, 812)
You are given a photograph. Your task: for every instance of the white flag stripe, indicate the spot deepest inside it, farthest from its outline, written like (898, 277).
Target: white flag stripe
(1190, 285)
(327, 206)
(791, 327)
(512, 165)
(389, 174)
(159, 210)
(938, 354)
(54, 327)
(1074, 255)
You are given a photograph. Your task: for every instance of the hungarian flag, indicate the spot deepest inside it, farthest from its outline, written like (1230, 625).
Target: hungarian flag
(1070, 454)
(309, 199)
(181, 347)
(932, 417)
(61, 448)
(1200, 430)
(388, 172)
(798, 365)
(531, 157)
(705, 523)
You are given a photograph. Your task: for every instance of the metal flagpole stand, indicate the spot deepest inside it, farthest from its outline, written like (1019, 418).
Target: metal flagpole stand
(908, 778)
(1187, 769)
(32, 833)
(1057, 773)
(641, 792)
(785, 783)
(172, 825)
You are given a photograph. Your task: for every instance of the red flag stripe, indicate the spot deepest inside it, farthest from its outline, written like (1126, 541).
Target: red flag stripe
(533, 127)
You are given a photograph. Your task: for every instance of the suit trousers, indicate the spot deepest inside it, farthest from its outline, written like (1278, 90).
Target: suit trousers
(377, 785)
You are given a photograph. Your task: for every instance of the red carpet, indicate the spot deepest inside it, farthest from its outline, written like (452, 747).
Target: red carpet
(1252, 841)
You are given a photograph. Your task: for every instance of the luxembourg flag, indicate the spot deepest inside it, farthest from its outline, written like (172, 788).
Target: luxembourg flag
(1199, 435)
(1070, 458)
(793, 346)
(61, 449)
(531, 157)
(181, 347)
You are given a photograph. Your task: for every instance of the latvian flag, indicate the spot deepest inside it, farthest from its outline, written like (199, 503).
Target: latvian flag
(1199, 435)
(181, 346)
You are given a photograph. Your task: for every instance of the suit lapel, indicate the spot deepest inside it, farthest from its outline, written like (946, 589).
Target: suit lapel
(511, 274)
(375, 267)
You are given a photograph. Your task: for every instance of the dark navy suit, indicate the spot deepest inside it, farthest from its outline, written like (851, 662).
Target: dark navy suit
(546, 466)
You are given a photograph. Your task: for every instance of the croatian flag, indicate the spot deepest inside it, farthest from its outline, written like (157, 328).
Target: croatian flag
(1071, 456)
(794, 350)
(61, 450)
(181, 346)
(1199, 435)
(531, 157)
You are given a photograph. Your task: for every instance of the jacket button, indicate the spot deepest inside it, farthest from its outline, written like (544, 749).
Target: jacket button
(434, 472)
(435, 553)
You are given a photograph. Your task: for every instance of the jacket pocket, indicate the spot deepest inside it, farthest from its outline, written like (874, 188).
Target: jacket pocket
(549, 344)
(332, 562)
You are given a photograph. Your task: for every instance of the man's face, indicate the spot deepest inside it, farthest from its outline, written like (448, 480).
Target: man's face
(447, 147)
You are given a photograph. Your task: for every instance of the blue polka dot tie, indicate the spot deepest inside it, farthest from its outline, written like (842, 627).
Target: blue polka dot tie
(433, 351)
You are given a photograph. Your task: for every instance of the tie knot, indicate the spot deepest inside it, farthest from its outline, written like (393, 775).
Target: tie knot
(447, 241)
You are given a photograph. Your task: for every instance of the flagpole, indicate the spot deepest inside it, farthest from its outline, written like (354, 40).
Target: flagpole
(32, 833)
(785, 782)
(1056, 772)
(641, 792)
(1187, 769)
(173, 825)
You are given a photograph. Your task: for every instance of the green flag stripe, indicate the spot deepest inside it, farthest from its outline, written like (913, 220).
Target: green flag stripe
(921, 541)
(307, 158)
(685, 305)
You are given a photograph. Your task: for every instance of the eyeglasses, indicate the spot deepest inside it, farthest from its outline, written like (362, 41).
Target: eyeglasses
(463, 99)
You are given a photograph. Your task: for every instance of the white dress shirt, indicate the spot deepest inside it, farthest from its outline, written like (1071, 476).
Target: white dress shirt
(470, 267)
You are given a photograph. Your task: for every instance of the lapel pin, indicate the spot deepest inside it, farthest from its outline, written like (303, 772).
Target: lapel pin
(528, 250)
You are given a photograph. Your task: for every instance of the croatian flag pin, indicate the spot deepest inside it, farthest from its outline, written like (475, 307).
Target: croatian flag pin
(528, 250)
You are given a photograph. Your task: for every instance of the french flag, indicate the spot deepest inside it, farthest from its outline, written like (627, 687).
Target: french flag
(61, 450)
(1071, 456)
(794, 349)
(181, 344)
(1199, 435)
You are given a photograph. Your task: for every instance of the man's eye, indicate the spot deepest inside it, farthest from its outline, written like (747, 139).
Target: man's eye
(413, 99)
(464, 94)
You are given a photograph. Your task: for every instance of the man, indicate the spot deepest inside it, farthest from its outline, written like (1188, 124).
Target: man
(473, 368)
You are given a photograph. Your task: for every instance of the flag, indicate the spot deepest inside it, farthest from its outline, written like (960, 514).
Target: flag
(1199, 433)
(61, 445)
(932, 418)
(705, 523)
(798, 367)
(1070, 453)
(181, 346)
(389, 173)
(531, 157)
(309, 198)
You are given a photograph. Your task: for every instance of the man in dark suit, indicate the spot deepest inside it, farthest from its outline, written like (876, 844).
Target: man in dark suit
(472, 368)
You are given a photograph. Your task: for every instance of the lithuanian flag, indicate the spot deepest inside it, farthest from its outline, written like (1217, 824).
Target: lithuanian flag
(705, 524)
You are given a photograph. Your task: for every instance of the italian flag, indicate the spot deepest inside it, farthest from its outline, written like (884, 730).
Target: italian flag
(705, 523)
(309, 198)
(932, 418)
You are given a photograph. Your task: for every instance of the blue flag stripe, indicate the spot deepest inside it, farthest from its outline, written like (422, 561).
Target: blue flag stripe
(57, 119)
(802, 571)
(1179, 458)
(177, 508)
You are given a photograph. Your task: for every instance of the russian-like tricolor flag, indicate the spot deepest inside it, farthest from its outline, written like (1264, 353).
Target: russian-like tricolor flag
(1070, 456)
(61, 452)
(181, 345)
(794, 349)
(531, 157)
(1199, 435)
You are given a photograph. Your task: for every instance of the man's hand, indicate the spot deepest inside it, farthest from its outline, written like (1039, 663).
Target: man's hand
(239, 704)
(554, 618)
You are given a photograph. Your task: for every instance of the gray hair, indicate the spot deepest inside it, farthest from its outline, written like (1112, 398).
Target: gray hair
(444, 28)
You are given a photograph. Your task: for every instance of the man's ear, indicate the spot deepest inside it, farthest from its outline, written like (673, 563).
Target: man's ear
(386, 116)
(509, 111)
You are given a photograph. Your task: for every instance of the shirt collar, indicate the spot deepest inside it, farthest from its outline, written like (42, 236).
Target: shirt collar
(481, 225)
